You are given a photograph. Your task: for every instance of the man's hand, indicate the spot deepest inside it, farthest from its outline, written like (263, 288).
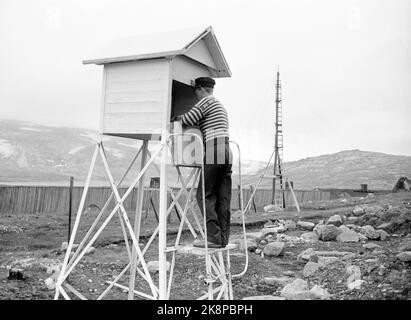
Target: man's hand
(177, 118)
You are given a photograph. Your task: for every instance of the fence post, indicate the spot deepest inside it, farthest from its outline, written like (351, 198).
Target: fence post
(70, 207)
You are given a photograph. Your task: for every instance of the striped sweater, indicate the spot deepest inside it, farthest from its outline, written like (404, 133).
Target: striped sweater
(211, 116)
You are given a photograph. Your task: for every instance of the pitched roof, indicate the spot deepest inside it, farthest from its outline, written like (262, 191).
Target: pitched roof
(166, 44)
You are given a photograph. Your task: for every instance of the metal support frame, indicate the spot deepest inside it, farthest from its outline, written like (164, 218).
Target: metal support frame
(217, 268)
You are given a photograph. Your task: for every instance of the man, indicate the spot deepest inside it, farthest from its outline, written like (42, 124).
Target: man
(211, 116)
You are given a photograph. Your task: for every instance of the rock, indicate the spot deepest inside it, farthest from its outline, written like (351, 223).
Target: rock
(329, 233)
(343, 228)
(353, 272)
(325, 261)
(269, 238)
(404, 256)
(352, 219)
(263, 242)
(289, 225)
(373, 210)
(335, 220)
(64, 246)
(90, 250)
(348, 236)
(289, 273)
(310, 269)
(355, 285)
(277, 281)
(320, 293)
(361, 237)
(306, 225)
(385, 225)
(16, 274)
(297, 290)
(270, 207)
(310, 236)
(271, 230)
(319, 228)
(371, 246)
(306, 255)
(358, 211)
(266, 297)
(274, 249)
(370, 232)
(153, 266)
(383, 235)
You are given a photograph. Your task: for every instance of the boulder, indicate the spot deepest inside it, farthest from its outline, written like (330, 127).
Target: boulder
(325, 261)
(274, 249)
(404, 256)
(270, 230)
(358, 211)
(297, 290)
(383, 235)
(306, 255)
(310, 269)
(362, 237)
(355, 285)
(319, 228)
(306, 225)
(344, 228)
(310, 236)
(348, 236)
(270, 238)
(329, 233)
(320, 293)
(335, 220)
(289, 225)
(370, 232)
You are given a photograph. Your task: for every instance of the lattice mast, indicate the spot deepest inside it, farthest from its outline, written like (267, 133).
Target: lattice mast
(278, 196)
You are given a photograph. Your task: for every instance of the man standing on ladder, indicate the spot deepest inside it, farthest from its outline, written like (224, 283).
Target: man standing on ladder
(211, 116)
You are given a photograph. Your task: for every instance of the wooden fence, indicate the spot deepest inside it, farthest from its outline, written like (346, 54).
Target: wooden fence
(55, 199)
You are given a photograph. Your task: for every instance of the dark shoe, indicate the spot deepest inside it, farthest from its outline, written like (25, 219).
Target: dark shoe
(201, 244)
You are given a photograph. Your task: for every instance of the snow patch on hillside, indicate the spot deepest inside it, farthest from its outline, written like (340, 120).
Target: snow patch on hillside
(6, 149)
(75, 150)
(34, 129)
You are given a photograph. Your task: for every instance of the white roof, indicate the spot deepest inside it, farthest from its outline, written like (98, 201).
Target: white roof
(159, 45)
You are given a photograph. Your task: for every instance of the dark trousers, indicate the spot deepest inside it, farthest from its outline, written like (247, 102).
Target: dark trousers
(217, 186)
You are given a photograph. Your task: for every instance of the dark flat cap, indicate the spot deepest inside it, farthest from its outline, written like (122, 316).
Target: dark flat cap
(204, 82)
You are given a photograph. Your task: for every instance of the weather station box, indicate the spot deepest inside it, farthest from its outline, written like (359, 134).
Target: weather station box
(147, 79)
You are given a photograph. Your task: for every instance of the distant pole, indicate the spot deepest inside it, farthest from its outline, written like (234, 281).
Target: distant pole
(70, 207)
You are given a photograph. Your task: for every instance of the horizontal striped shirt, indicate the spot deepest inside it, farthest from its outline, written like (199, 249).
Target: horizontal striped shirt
(211, 116)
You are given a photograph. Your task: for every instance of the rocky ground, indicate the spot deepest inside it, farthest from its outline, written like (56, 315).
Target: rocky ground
(349, 248)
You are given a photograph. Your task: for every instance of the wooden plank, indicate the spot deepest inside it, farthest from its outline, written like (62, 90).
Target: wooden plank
(185, 69)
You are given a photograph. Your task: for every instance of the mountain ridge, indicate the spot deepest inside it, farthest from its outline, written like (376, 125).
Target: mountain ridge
(31, 153)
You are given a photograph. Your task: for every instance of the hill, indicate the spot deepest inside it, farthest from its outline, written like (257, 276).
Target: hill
(37, 154)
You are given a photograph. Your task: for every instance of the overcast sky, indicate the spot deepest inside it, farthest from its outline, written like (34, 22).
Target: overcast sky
(345, 66)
